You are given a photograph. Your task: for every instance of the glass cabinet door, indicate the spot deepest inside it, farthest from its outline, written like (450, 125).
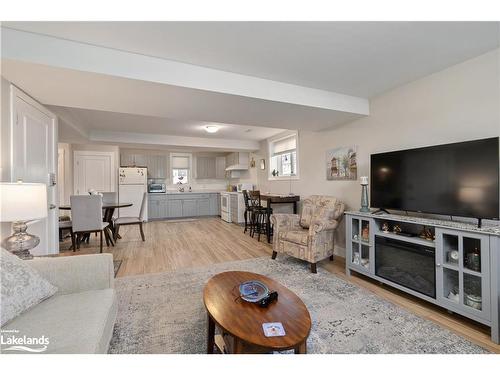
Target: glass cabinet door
(462, 272)
(361, 244)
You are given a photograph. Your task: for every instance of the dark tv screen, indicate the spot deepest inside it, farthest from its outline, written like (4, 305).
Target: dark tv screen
(458, 179)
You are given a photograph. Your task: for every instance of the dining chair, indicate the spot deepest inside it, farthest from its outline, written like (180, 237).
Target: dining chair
(65, 223)
(125, 220)
(109, 214)
(109, 196)
(86, 214)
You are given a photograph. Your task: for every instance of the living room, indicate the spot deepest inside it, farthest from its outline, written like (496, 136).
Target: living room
(249, 201)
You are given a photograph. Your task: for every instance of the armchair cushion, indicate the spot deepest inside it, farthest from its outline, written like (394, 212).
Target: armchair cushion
(299, 237)
(306, 216)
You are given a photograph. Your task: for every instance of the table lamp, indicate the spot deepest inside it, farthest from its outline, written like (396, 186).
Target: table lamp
(21, 203)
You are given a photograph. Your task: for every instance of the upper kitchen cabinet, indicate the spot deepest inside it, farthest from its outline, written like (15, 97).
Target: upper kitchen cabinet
(210, 167)
(132, 160)
(156, 164)
(220, 167)
(205, 167)
(237, 161)
(127, 160)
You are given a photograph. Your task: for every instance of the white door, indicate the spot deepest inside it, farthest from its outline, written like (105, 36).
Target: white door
(34, 159)
(93, 170)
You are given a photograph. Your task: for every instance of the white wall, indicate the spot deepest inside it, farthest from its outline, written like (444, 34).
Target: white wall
(457, 104)
(69, 150)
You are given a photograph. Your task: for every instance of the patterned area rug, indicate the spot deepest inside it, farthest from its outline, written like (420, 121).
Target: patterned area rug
(164, 313)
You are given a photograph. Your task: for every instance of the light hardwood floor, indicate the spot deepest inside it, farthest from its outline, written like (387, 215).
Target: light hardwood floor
(174, 245)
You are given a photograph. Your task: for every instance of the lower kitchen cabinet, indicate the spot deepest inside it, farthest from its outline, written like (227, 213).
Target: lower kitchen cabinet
(157, 207)
(167, 206)
(174, 208)
(189, 208)
(203, 207)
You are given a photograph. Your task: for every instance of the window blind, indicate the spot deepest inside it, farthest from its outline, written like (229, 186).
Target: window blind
(180, 162)
(284, 145)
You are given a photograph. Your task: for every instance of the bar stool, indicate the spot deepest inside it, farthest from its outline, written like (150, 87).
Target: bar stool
(258, 214)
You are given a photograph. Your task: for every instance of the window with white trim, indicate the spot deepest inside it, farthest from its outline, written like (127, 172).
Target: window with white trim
(181, 167)
(283, 157)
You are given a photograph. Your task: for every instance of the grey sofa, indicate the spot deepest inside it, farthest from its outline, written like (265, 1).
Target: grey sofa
(80, 317)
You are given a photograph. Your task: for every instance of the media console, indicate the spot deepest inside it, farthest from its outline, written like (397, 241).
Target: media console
(451, 264)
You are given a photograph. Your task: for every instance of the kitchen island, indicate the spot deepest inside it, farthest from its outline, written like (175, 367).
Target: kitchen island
(175, 204)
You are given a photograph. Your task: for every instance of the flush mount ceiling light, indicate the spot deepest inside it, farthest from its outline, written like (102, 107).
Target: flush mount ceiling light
(211, 128)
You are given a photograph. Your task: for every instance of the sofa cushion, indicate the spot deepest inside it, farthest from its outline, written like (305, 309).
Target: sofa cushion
(22, 287)
(73, 323)
(299, 237)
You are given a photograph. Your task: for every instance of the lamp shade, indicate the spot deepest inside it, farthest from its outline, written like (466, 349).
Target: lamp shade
(22, 201)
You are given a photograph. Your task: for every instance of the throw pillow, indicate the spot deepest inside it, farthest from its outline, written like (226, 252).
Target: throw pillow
(22, 287)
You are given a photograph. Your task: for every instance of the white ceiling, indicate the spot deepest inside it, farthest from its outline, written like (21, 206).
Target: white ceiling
(91, 120)
(354, 58)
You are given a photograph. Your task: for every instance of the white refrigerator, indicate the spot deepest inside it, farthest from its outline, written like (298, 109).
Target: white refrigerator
(133, 183)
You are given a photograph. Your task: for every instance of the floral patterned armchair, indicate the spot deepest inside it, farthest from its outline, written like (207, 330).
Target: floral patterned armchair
(308, 236)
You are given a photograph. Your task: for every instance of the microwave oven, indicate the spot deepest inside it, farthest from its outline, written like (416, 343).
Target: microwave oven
(157, 188)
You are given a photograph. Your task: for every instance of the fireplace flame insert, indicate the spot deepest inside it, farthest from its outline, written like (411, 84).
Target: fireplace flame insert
(407, 264)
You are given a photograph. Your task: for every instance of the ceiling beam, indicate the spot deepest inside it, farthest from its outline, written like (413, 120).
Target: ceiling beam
(46, 50)
(172, 140)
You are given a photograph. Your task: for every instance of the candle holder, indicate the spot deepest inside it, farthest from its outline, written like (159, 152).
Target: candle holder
(364, 195)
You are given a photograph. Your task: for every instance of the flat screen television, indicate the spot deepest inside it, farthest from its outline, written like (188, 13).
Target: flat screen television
(457, 179)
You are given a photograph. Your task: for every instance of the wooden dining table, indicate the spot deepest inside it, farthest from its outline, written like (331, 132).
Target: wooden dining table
(273, 199)
(109, 208)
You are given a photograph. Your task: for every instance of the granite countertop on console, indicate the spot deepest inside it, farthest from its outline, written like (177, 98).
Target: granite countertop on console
(485, 229)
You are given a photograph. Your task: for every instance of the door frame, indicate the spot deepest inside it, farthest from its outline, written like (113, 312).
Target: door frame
(61, 174)
(52, 190)
(111, 155)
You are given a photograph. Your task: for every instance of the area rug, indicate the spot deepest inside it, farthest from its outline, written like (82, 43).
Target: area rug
(164, 313)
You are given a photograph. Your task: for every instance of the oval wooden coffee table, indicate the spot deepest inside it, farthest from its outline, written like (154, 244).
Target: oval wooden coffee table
(243, 320)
